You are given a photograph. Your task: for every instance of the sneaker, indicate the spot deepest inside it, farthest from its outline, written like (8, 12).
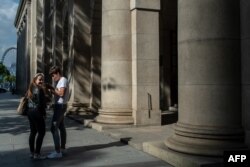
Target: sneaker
(39, 157)
(54, 155)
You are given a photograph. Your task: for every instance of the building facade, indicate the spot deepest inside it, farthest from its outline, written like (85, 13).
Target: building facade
(130, 61)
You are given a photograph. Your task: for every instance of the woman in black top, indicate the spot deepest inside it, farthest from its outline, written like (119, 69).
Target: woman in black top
(36, 115)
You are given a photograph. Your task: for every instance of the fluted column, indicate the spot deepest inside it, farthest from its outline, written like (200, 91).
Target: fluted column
(209, 71)
(116, 63)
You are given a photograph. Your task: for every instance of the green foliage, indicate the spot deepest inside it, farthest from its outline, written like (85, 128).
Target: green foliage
(4, 72)
(9, 78)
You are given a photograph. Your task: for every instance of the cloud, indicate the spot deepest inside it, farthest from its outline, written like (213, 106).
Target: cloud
(8, 9)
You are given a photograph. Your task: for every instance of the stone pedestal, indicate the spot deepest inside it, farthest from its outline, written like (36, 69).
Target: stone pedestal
(116, 63)
(209, 78)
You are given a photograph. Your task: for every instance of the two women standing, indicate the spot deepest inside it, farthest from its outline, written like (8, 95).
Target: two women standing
(37, 113)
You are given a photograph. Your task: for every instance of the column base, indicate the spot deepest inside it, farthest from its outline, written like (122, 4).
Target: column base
(161, 151)
(205, 141)
(115, 116)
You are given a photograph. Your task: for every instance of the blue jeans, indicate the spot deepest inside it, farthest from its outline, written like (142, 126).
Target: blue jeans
(57, 124)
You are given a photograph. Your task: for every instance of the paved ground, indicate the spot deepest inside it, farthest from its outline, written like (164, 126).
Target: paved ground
(86, 147)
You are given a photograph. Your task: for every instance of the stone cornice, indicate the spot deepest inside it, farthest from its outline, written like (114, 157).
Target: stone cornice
(20, 12)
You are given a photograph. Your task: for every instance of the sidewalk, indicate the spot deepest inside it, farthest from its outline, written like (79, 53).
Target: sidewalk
(86, 147)
(128, 134)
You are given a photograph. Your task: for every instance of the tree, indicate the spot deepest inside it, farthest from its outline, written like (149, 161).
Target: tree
(3, 72)
(10, 78)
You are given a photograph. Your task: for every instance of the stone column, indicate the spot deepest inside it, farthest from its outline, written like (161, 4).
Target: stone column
(145, 62)
(33, 37)
(96, 32)
(36, 60)
(245, 51)
(209, 78)
(47, 54)
(57, 33)
(116, 63)
(76, 57)
(40, 36)
(22, 23)
(28, 37)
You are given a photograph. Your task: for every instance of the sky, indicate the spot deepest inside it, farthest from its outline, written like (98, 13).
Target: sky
(8, 9)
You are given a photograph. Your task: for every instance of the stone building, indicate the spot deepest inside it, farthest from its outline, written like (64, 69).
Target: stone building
(131, 61)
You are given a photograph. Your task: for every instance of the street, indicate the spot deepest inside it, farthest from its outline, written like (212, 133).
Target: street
(86, 147)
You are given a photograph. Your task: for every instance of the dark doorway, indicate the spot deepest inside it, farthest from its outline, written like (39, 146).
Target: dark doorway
(168, 61)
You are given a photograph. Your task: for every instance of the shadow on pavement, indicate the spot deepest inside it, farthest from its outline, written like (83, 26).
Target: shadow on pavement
(14, 125)
(21, 158)
(75, 156)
